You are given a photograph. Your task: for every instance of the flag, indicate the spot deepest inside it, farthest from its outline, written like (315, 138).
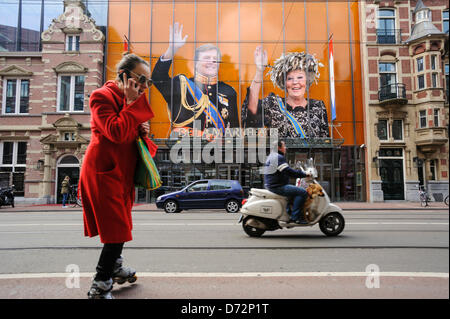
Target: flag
(331, 68)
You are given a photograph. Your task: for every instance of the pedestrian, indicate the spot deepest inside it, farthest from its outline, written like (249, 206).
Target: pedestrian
(65, 186)
(119, 115)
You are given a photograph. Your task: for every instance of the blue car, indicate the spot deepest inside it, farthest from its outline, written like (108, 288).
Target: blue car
(204, 194)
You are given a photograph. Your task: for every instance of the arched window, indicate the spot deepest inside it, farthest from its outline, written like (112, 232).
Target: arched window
(68, 160)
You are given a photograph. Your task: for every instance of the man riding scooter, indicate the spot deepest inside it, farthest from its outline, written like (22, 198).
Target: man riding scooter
(276, 180)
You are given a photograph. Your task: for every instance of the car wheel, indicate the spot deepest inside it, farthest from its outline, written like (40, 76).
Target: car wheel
(171, 206)
(232, 206)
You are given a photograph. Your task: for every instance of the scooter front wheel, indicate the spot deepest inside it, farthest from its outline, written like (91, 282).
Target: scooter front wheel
(250, 230)
(332, 224)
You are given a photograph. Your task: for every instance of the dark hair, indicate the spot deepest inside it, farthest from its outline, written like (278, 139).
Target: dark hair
(277, 144)
(129, 61)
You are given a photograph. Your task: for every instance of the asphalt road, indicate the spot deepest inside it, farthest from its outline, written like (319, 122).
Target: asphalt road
(203, 254)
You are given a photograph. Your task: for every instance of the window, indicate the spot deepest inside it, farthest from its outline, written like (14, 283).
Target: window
(16, 95)
(420, 64)
(219, 185)
(397, 130)
(69, 136)
(433, 62)
(434, 80)
(71, 93)
(13, 158)
(447, 82)
(421, 77)
(433, 169)
(387, 72)
(73, 43)
(445, 21)
(386, 26)
(198, 187)
(422, 119)
(382, 129)
(436, 117)
(421, 81)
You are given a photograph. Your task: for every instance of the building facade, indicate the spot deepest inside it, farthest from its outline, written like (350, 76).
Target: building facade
(406, 97)
(390, 77)
(44, 94)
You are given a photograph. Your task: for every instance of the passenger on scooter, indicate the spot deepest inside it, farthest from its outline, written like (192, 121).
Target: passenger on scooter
(276, 179)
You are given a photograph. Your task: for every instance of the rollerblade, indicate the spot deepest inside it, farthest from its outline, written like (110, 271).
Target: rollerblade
(101, 289)
(122, 274)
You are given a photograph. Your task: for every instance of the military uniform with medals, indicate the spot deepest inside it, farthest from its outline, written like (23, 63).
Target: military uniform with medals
(182, 104)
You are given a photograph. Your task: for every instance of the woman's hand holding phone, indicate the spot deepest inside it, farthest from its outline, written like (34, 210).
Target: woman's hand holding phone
(130, 88)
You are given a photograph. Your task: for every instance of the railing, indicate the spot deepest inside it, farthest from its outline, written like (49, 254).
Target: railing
(389, 36)
(395, 91)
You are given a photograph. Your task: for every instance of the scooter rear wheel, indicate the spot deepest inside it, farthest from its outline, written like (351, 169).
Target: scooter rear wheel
(252, 231)
(332, 224)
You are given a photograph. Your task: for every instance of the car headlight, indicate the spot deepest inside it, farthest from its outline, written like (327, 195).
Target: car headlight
(159, 198)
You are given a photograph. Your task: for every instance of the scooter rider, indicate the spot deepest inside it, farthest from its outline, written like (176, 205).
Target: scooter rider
(276, 180)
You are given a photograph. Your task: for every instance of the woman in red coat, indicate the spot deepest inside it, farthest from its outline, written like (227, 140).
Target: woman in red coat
(119, 114)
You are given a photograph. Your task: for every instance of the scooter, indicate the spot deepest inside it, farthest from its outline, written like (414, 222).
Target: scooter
(7, 196)
(264, 211)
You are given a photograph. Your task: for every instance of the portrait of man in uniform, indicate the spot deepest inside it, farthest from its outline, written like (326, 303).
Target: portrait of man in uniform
(201, 98)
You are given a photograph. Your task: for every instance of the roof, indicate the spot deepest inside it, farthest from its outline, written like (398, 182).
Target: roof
(423, 28)
(420, 6)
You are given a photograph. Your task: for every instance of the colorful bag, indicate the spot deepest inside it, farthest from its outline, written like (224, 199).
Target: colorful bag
(146, 174)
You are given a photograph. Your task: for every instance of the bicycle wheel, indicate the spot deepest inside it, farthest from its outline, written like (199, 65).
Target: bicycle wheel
(72, 201)
(446, 200)
(424, 200)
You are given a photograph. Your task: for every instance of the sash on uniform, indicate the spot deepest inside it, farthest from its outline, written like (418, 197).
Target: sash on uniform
(210, 111)
(297, 127)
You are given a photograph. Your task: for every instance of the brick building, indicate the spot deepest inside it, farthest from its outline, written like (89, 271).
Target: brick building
(45, 119)
(406, 92)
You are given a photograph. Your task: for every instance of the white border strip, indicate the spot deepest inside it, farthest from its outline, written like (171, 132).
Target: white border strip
(240, 274)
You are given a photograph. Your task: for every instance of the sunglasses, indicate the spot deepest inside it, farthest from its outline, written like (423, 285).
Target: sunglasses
(142, 79)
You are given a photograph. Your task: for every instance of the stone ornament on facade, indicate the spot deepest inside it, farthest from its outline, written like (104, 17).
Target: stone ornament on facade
(70, 67)
(15, 70)
(73, 21)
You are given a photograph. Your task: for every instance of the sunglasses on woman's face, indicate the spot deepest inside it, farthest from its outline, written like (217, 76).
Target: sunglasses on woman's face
(142, 79)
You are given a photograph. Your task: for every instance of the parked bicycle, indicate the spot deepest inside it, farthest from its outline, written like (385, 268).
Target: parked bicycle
(446, 200)
(74, 199)
(423, 196)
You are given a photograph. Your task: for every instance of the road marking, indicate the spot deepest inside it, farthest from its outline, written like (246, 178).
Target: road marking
(220, 224)
(239, 274)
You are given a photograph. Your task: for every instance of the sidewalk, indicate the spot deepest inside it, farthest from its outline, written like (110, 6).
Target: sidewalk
(346, 206)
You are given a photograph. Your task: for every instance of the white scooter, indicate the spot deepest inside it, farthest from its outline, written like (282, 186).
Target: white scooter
(265, 210)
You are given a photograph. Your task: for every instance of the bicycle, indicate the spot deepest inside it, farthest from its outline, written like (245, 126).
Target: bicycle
(423, 196)
(74, 200)
(446, 200)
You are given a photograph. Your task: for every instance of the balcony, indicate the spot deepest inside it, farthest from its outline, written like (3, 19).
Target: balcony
(389, 36)
(429, 139)
(394, 93)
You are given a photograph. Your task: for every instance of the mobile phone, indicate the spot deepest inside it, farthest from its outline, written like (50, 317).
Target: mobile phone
(127, 72)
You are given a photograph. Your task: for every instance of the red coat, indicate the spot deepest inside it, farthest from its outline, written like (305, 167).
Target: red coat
(106, 179)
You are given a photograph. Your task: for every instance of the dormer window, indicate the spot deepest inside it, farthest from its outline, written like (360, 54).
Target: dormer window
(72, 43)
